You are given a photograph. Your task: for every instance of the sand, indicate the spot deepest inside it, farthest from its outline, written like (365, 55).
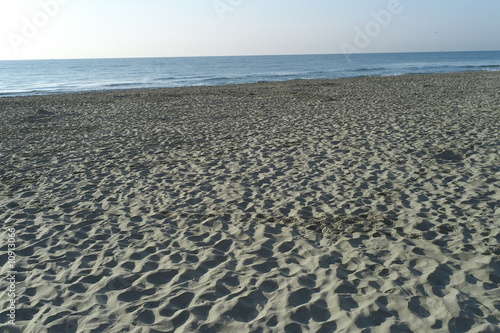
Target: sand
(351, 205)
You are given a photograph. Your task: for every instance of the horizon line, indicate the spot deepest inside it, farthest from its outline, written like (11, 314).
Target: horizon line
(252, 55)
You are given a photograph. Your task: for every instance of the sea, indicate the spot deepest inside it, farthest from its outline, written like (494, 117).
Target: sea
(37, 77)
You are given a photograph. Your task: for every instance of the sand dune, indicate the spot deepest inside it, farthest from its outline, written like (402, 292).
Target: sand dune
(352, 205)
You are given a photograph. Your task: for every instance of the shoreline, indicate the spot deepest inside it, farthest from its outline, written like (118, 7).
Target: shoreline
(305, 205)
(239, 84)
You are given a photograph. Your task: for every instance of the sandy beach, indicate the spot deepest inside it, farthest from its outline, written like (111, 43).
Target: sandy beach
(353, 205)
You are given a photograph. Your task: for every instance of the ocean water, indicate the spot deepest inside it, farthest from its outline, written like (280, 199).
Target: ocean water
(35, 77)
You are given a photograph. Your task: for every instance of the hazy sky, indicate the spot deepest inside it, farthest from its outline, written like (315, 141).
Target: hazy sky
(40, 29)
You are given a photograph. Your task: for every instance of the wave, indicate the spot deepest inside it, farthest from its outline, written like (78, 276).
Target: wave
(166, 78)
(279, 76)
(368, 69)
(217, 78)
(238, 79)
(481, 66)
(34, 92)
(121, 84)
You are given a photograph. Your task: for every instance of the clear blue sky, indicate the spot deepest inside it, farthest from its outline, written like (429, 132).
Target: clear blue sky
(41, 29)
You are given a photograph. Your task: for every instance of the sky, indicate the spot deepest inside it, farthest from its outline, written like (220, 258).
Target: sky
(67, 29)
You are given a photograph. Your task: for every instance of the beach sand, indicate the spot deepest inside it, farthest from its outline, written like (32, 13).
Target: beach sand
(351, 205)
